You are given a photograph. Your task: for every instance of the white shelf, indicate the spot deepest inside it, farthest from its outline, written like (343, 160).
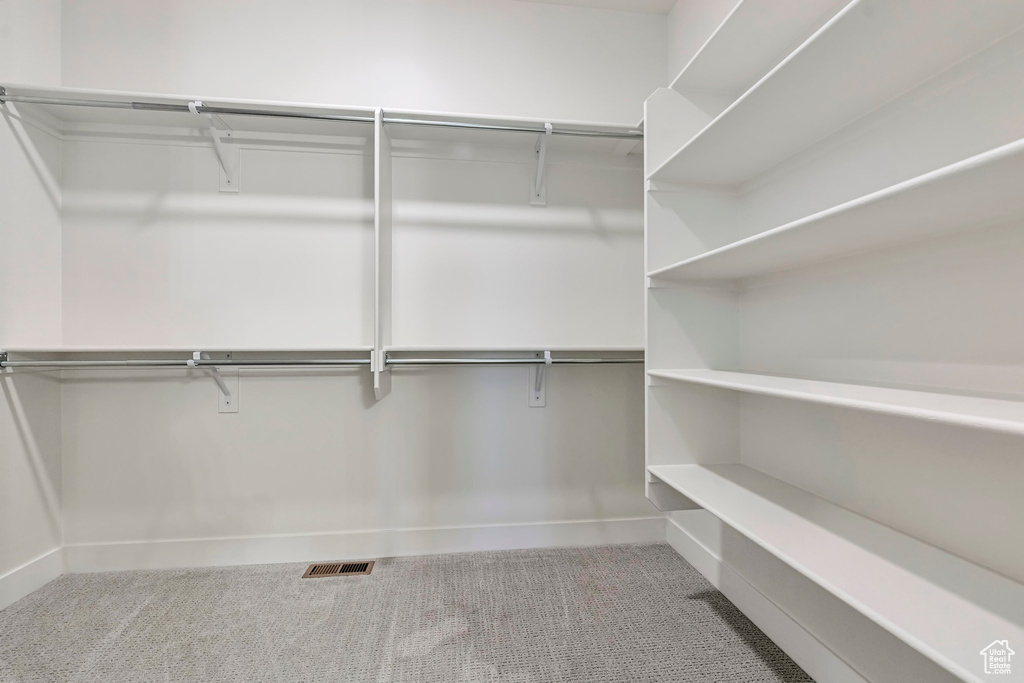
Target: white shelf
(119, 112)
(980, 190)
(944, 607)
(412, 133)
(77, 117)
(752, 39)
(882, 47)
(993, 414)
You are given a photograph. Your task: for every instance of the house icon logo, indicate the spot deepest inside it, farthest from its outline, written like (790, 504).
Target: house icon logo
(997, 657)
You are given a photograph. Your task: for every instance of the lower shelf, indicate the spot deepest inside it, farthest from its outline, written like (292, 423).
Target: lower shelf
(944, 607)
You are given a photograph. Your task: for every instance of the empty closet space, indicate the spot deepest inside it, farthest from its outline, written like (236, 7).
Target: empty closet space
(495, 246)
(833, 260)
(518, 340)
(291, 310)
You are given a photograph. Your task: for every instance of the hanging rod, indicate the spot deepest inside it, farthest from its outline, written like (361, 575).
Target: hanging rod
(182, 108)
(627, 134)
(509, 361)
(171, 364)
(164, 364)
(250, 111)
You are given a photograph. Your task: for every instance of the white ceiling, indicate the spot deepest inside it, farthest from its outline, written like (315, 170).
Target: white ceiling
(642, 6)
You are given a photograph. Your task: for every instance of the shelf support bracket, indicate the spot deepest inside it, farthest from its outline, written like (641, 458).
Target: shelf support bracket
(538, 383)
(212, 369)
(539, 195)
(228, 166)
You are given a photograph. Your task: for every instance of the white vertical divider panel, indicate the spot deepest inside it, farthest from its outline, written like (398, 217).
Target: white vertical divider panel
(382, 232)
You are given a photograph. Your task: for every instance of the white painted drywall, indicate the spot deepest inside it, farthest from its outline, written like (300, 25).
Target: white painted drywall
(153, 460)
(30, 464)
(150, 459)
(497, 57)
(285, 263)
(690, 23)
(30, 41)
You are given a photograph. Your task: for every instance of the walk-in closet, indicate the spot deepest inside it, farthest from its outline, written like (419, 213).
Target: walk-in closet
(517, 340)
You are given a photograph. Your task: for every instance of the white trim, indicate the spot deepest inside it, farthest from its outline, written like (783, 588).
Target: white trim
(216, 552)
(802, 647)
(31, 576)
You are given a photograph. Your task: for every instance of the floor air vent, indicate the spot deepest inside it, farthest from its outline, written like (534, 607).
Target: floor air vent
(324, 569)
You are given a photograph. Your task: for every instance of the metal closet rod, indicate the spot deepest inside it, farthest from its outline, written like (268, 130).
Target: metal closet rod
(182, 363)
(171, 364)
(249, 111)
(510, 361)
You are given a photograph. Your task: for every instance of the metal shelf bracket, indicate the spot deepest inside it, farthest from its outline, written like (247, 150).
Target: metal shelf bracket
(229, 160)
(538, 384)
(212, 369)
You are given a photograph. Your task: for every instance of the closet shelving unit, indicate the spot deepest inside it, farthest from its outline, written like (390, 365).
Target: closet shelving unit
(798, 102)
(230, 127)
(870, 146)
(977, 190)
(754, 34)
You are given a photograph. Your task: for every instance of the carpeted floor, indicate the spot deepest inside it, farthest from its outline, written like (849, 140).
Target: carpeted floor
(588, 615)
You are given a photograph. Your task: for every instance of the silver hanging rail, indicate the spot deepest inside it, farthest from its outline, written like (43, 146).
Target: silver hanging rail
(165, 363)
(510, 361)
(539, 129)
(180, 364)
(202, 108)
(181, 108)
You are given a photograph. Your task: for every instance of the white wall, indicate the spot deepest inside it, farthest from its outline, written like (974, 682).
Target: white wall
(149, 459)
(497, 57)
(690, 24)
(476, 265)
(30, 466)
(285, 263)
(152, 459)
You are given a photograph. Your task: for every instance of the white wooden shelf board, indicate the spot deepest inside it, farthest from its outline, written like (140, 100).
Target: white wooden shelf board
(980, 190)
(752, 39)
(885, 47)
(944, 607)
(977, 412)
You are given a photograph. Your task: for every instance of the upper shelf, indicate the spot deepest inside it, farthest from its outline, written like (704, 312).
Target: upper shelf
(978, 412)
(944, 607)
(162, 110)
(979, 190)
(884, 47)
(753, 38)
(78, 109)
(590, 136)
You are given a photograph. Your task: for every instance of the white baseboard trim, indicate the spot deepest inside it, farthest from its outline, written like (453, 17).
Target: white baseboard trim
(31, 576)
(217, 552)
(803, 648)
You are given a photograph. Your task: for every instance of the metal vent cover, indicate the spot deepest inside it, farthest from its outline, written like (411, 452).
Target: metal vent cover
(324, 569)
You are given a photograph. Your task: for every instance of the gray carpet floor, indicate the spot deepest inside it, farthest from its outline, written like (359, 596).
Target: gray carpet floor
(617, 613)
